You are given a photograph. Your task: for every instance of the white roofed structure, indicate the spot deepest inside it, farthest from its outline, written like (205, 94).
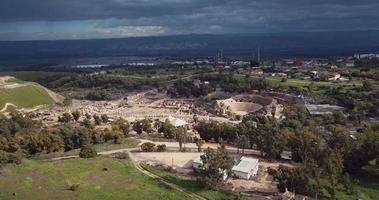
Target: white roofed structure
(176, 122)
(246, 168)
(322, 109)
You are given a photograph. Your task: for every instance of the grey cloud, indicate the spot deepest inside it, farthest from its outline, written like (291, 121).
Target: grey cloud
(201, 16)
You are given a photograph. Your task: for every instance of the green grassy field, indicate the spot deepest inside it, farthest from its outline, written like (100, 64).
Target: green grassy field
(50, 180)
(25, 96)
(304, 82)
(190, 185)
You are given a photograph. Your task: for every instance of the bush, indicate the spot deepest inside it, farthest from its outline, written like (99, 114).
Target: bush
(74, 187)
(14, 158)
(6, 158)
(147, 147)
(87, 152)
(161, 148)
(121, 155)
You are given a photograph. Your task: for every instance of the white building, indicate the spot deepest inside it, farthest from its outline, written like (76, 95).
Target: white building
(175, 121)
(246, 168)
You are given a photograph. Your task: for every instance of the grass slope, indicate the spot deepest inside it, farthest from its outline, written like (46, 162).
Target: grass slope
(25, 97)
(49, 180)
(190, 185)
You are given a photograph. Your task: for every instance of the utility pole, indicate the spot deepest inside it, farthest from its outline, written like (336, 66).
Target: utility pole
(259, 54)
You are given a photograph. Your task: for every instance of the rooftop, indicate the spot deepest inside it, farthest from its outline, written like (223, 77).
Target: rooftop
(246, 164)
(322, 109)
(176, 122)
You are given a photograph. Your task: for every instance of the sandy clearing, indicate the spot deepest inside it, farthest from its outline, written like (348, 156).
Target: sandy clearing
(4, 79)
(177, 159)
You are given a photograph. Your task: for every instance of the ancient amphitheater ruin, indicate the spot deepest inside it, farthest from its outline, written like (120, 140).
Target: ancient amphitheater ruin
(241, 105)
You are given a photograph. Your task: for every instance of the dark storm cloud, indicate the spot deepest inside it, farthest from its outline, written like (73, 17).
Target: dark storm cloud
(200, 16)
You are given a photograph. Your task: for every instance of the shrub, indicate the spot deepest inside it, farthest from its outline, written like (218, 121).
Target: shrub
(121, 155)
(10, 158)
(147, 147)
(87, 152)
(161, 148)
(14, 158)
(74, 187)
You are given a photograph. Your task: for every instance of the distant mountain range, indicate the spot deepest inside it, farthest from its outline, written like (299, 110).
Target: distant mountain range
(304, 44)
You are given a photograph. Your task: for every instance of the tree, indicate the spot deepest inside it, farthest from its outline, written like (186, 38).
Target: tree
(348, 184)
(168, 130)
(74, 137)
(97, 119)
(87, 152)
(293, 179)
(367, 86)
(364, 149)
(98, 136)
(143, 125)
(242, 143)
(121, 125)
(147, 147)
(333, 169)
(67, 101)
(216, 131)
(199, 144)
(270, 140)
(181, 136)
(87, 123)
(137, 127)
(76, 115)
(214, 164)
(65, 118)
(105, 118)
(305, 145)
(146, 125)
(88, 116)
(161, 148)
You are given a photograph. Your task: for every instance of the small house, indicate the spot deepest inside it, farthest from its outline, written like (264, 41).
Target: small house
(246, 168)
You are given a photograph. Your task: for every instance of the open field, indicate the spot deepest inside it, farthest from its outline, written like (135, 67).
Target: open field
(50, 180)
(25, 97)
(189, 184)
(15, 93)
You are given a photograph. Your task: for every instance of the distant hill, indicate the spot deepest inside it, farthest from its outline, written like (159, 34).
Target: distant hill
(16, 94)
(273, 44)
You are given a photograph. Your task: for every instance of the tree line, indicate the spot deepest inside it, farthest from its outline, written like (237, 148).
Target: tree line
(21, 136)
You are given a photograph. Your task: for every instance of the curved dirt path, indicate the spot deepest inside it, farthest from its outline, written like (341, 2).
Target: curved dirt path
(6, 106)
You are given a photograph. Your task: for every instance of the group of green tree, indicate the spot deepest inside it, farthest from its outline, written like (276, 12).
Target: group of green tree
(187, 88)
(21, 136)
(168, 130)
(325, 150)
(76, 116)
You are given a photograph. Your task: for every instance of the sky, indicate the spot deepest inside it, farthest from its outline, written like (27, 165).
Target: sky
(87, 19)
